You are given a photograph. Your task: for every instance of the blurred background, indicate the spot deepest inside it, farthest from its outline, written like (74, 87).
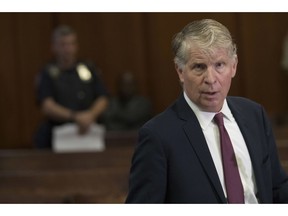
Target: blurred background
(117, 42)
(138, 42)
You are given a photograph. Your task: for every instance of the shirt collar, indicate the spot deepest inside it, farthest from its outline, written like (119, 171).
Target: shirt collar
(205, 118)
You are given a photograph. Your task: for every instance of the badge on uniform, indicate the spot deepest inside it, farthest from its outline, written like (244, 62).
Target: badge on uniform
(83, 72)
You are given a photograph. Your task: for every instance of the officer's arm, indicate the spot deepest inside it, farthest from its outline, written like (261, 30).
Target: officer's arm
(55, 111)
(98, 107)
(85, 118)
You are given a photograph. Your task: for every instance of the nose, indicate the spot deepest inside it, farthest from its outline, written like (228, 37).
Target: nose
(210, 76)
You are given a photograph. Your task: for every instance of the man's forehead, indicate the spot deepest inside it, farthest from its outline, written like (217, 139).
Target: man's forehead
(208, 54)
(61, 38)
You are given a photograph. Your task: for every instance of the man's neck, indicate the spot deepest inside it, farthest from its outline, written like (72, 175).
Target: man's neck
(65, 64)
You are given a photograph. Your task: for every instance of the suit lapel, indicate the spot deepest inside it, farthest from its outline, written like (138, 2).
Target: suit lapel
(197, 140)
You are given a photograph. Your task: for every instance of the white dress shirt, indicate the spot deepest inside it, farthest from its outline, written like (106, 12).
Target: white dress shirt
(211, 133)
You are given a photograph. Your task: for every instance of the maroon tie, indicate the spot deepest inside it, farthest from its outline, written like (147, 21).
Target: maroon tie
(232, 178)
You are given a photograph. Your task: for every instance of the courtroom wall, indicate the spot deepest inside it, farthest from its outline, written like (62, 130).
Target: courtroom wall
(139, 42)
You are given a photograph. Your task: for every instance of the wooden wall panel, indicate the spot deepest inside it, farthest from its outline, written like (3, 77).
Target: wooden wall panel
(23, 48)
(114, 41)
(262, 35)
(140, 42)
(9, 89)
(33, 47)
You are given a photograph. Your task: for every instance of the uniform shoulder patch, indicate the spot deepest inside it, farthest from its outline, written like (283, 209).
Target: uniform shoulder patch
(53, 71)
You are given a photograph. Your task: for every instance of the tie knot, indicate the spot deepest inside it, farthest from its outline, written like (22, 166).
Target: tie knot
(218, 118)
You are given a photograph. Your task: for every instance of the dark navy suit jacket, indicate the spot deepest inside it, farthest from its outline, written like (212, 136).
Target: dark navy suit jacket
(172, 162)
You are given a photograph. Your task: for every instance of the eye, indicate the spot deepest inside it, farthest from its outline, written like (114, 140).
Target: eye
(220, 66)
(199, 67)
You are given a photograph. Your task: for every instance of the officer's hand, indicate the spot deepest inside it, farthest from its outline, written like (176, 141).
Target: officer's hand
(84, 120)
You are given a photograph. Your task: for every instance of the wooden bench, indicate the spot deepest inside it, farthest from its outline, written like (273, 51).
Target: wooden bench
(41, 160)
(41, 176)
(47, 177)
(38, 176)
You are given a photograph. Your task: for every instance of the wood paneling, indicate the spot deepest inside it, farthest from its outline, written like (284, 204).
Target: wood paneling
(139, 42)
(9, 90)
(262, 35)
(115, 42)
(34, 176)
(33, 48)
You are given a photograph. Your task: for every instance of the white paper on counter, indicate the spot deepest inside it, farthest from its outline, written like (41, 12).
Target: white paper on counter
(66, 139)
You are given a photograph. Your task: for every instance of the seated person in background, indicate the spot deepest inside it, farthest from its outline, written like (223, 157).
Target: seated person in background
(127, 111)
(69, 90)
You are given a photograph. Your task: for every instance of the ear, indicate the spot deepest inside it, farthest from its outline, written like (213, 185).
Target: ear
(234, 66)
(179, 72)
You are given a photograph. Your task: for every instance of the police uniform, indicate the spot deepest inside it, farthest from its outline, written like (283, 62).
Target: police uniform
(76, 89)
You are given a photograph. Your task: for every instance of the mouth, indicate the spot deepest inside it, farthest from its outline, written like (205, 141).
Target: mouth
(209, 93)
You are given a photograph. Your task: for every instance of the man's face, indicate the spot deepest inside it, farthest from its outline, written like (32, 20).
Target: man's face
(65, 47)
(207, 77)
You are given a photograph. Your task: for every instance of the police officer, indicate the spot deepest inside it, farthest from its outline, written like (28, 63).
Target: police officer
(69, 90)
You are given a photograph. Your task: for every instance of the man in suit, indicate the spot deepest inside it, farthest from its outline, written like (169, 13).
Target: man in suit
(180, 158)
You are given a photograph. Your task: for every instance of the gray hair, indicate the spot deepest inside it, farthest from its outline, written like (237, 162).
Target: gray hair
(61, 31)
(206, 34)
